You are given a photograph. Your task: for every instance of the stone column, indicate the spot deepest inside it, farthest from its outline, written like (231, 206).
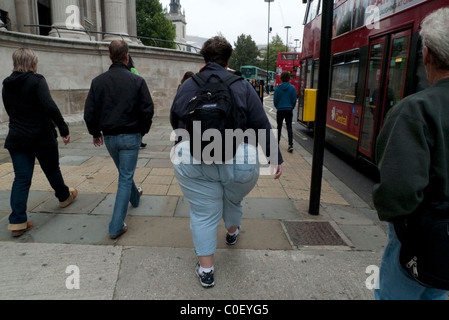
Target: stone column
(25, 16)
(116, 20)
(66, 14)
(2, 28)
(132, 22)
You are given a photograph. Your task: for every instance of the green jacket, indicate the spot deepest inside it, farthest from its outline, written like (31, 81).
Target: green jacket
(412, 153)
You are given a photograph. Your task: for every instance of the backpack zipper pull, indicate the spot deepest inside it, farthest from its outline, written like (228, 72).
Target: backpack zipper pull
(414, 265)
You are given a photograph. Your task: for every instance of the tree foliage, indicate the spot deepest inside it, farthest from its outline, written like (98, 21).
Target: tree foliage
(152, 23)
(245, 53)
(276, 46)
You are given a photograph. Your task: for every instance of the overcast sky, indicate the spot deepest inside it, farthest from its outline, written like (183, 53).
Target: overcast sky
(206, 18)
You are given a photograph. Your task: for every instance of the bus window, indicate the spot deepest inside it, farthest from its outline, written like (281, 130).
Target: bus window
(315, 70)
(398, 63)
(345, 70)
(420, 82)
(374, 77)
(309, 74)
(313, 10)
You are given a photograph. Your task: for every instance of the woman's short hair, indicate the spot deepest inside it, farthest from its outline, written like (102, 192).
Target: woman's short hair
(24, 60)
(186, 76)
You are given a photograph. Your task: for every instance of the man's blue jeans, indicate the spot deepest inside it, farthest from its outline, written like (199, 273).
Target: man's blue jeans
(395, 283)
(23, 162)
(124, 150)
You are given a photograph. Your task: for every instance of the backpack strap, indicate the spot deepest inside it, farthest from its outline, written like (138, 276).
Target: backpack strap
(230, 79)
(200, 79)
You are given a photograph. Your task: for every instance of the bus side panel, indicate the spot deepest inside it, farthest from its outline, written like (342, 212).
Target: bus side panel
(341, 142)
(343, 126)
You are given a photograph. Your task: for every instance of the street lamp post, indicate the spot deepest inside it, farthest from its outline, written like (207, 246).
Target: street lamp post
(268, 45)
(296, 44)
(286, 43)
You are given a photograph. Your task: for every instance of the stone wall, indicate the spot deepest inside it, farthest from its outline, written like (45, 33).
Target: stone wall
(70, 65)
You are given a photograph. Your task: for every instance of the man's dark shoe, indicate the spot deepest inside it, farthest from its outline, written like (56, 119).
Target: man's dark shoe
(143, 145)
(232, 239)
(290, 149)
(206, 278)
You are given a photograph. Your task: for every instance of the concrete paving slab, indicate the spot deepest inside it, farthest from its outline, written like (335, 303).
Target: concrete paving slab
(58, 228)
(149, 206)
(38, 271)
(73, 160)
(269, 209)
(168, 274)
(84, 203)
(365, 237)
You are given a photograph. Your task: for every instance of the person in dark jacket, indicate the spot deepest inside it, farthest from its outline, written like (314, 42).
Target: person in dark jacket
(132, 68)
(187, 75)
(119, 111)
(33, 115)
(412, 152)
(215, 191)
(284, 101)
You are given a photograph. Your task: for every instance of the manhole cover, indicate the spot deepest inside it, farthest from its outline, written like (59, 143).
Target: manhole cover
(313, 233)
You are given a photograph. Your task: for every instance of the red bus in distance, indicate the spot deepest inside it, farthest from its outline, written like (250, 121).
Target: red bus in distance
(288, 61)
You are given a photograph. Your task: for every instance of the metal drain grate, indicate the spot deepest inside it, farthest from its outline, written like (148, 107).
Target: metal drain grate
(313, 233)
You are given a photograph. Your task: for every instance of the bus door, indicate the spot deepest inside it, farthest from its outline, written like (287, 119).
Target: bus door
(308, 79)
(385, 83)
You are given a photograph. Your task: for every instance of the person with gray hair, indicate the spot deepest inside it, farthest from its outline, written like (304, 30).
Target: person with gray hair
(412, 152)
(33, 116)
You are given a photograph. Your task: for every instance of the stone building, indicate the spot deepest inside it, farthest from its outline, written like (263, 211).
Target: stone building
(74, 19)
(71, 38)
(178, 19)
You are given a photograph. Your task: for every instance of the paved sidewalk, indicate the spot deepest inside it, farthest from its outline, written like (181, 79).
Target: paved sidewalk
(283, 253)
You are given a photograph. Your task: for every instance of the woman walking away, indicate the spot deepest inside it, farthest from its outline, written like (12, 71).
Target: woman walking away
(33, 116)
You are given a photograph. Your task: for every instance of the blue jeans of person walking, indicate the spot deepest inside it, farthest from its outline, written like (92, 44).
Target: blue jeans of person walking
(395, 283)
(215, 192)
(23, 162)
(124, 150)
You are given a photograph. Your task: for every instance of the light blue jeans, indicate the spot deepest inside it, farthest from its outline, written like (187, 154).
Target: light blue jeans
(124, 150)
(215, 192)
(395, 283)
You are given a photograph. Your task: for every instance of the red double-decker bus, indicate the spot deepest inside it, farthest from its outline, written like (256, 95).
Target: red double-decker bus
(376, 61)
(288, 61)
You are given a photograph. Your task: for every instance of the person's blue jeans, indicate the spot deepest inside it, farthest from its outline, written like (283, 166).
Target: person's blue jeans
(215, 192)
(124, 150)
(395, 283)
(23, 162)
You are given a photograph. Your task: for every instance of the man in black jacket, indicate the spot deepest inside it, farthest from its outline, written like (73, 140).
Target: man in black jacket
(119, 111)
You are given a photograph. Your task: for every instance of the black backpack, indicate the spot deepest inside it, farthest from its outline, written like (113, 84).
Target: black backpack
(213, 107)
(424, 237)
